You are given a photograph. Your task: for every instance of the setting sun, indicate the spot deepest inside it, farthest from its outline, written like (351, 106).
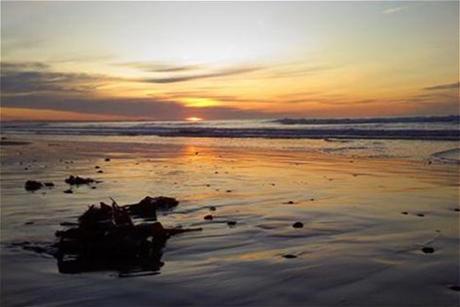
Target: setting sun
(193, 119)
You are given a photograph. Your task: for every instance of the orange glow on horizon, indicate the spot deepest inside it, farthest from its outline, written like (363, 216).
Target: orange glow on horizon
(193, 119)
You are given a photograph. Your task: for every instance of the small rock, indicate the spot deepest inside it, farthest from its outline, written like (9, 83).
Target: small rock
(297, 225)
(77, 180)
(289, 256)
(428, 250)
(68, 191)
(212, 208)
(231, 223)
(420, 214)
(107, 160)
(289, 202)
(29, 223)
(97, 166)
(405, 213)
(49, 184)
(455, 288)
(228, 191)
(208, 217)
(457, 209)
(32, 185)
(100, 171)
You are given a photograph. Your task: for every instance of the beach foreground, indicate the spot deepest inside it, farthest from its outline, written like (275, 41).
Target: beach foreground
(366, 221)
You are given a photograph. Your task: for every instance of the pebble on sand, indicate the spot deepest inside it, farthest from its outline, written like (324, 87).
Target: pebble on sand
(32, 185)
(405, 212)
(68, 191)
(289, 256)
(208, 217)
(297, 225)
(77, 180)
(428, 250)
(212, 208)
(231, 223)
(420, 214)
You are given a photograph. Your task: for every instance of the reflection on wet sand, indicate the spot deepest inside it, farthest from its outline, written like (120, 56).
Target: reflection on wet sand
(353, 240)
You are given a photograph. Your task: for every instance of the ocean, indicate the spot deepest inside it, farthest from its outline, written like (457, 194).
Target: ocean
(416, 128)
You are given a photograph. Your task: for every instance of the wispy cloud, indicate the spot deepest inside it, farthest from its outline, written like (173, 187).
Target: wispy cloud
(448, 86)
(394, 10)
(34, 77)
(204, 75)
(159, 67)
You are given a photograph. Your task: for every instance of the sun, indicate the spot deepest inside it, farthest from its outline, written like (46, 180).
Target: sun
(193, 119)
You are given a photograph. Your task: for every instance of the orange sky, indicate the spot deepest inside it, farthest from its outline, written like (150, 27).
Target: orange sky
(162, 61)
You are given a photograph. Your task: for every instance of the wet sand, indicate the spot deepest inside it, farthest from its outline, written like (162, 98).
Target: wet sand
(365, 223)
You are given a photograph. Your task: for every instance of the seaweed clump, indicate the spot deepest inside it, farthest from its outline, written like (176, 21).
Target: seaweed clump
(107, 238)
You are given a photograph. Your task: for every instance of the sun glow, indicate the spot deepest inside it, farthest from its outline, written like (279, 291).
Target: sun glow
(200, 102)
(193, 119)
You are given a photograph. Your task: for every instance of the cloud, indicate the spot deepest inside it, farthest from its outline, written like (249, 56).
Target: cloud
(449, 86)
(393, 10)
(146, 108)
(205, 75)
(159, 67)
(32, 85)
(32, 77)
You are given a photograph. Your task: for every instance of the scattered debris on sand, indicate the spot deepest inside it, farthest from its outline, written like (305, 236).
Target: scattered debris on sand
(77, 180)
(32, 185)
(107, 238)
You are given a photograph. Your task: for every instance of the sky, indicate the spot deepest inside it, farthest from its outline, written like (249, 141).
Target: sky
(228, 60)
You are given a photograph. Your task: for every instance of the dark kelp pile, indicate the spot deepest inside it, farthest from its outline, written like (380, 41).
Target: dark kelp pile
(107, 238)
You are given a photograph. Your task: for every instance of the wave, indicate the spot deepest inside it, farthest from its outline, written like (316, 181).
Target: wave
(332, 130)
(246, 132)
(451, 155)
(369, 120)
